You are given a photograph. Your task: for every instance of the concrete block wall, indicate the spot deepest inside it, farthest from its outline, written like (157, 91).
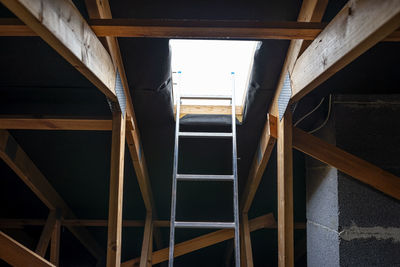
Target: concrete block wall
(350, 223)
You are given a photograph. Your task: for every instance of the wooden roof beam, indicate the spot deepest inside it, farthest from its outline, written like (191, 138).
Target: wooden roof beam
(156, 28)
(59, 23)
(355, 29)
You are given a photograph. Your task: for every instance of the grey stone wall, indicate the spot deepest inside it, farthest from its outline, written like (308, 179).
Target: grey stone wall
(350, 223)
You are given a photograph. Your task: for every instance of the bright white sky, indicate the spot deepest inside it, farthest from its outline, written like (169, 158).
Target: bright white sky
(206, 67)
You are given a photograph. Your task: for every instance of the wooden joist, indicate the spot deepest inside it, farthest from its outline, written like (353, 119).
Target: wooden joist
(216, 29)
(16, 254)
(356, 28)
(285, 191)
(15, 157)
(347, 163)
(60, 24)
(116, 190)
(265, 221)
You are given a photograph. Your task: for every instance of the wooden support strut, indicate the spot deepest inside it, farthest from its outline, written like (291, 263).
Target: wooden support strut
(147, 245)
(347, 163)
(47, 232)
(116, 190)
(285, 192)
(16, 254)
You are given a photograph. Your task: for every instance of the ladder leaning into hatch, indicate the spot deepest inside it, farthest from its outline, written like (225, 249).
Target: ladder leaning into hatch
(210, 177)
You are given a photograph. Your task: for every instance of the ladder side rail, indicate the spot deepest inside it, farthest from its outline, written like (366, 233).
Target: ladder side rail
(174, 185)
(235, 181)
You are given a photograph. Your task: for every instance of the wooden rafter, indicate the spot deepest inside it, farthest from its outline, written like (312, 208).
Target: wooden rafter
(16, 254)
(356, 28)
(15, 157)
(254, 30)
(59, 23)
(347, 163)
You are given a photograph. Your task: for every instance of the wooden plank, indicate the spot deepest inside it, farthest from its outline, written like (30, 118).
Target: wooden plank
(205, 29)
(19, 223)
(356, 28)
(15, 123)
(285, 192)
(210, 110)
(264, 150)
(247, 252)
(116, 190)
(47, 232)
(55, 244)
(16, 158)
(265, 221)
(347, 163)
(60, 24)
(216, 29)
(145, 256)
(16, 254)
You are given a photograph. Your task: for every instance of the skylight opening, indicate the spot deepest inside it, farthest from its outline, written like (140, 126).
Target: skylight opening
(205, 67)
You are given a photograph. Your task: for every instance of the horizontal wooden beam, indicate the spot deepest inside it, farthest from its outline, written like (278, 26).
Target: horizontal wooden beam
(254, 30)
(55, 124)
(18, 223)
(263, 222)
(16, 158)
(355, 29)
(347, 163)
(210, 110)
(60, 24)
(16, 254)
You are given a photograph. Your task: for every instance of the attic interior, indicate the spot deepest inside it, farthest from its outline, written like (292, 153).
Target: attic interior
(87, 134)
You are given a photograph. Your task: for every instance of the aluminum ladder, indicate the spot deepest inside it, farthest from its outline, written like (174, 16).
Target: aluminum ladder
(209, 177)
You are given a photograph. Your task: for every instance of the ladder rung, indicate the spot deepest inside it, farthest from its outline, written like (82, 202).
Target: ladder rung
(219, 97)
(204, 177)
(205, 134)
(208, 225)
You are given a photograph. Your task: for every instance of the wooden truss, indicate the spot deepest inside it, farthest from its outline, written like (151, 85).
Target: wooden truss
(316, 52)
